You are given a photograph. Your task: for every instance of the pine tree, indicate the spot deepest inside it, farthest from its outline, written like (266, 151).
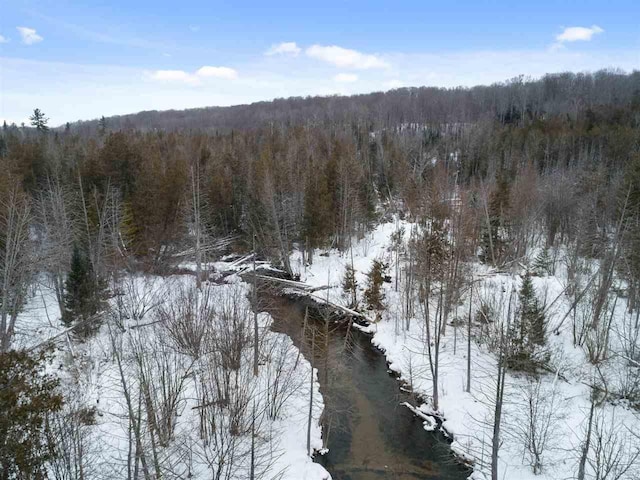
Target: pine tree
(527, 330)
(39, 121)
(102, 126)
(373, 295)
(319, 209)
(84, 294)
(532, 316)
(350, 287)
(493, 238)
(542, 265)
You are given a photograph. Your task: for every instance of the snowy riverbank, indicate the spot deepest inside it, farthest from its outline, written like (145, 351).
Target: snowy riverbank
(559, 400)
(132, 368)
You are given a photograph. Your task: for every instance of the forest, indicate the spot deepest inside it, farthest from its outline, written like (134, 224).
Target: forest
(507, 222)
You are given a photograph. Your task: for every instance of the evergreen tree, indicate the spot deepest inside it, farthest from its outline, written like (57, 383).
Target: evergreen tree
(373, 295)
(527, 330)
(543, 264)
(319, 210)
(84, 294)
(493, 238)
(532, 318)
(39, 121)
(102, 126)
(27, 396)
(350, 287)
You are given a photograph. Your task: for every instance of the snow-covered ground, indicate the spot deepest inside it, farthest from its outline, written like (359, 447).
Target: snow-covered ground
(91, 377)
(563, 393)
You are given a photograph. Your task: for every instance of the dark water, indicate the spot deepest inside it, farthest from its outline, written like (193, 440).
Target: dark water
(370, 436)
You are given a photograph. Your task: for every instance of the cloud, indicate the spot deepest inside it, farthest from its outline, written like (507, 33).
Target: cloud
(284, 48)
(346, 78)
(4, 39)
(175, 76)
(574, 34)
(180, 76)
(217, 72)
(345, 58)
(194, 28)
(29, 35)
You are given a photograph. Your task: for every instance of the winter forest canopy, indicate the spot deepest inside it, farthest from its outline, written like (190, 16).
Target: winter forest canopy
(507, 217)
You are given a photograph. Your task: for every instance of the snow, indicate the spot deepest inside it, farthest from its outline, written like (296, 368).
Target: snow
(469, 416)
(90, 377)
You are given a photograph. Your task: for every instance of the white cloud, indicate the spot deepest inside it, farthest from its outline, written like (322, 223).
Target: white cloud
(217, 72)
(346, 78)
(4, 39)
(345, 58)
(175, 76)
(574, 34)
(180, 76)
(194, 28)
(29, 35)
(284, 48)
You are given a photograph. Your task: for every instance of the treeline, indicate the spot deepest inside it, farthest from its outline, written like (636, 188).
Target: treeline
(514, 101)
(528, 164)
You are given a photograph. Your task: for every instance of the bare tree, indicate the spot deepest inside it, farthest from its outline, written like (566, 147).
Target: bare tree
(188, 318)
(537, 418)
(499, 394)
(614, 452)
(16, 267)
(70, 433)
(196, 205)
(58, 228)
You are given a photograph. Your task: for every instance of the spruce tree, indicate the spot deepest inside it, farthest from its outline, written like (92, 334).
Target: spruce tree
(493, 238)
(350, 287)
(532, 316)
(102, 126)
(542, 265)
(527, 330)
(319, 210)
(374, 296)
(84, 294)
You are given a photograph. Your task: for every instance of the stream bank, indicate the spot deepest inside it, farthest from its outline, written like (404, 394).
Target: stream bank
(368, 430)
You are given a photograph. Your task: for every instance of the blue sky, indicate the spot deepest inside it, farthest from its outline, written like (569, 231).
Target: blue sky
(81, 60)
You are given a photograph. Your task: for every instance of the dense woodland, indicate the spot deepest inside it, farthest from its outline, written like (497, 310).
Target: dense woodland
(490, 170)
(559, 153)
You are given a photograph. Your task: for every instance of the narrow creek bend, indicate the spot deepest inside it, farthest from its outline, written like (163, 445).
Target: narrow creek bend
(370, 435)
